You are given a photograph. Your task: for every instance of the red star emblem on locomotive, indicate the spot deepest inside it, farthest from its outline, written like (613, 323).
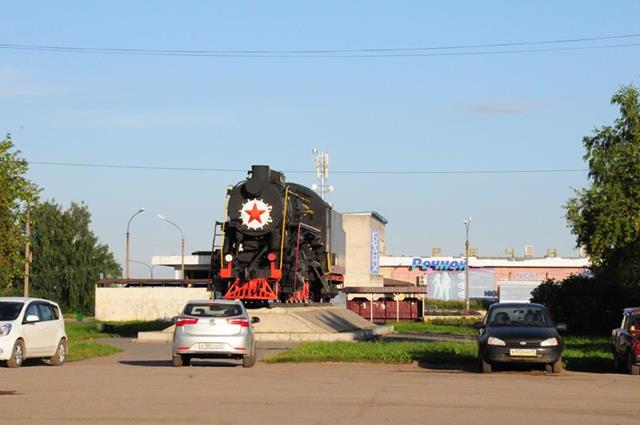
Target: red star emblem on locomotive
(255, 213)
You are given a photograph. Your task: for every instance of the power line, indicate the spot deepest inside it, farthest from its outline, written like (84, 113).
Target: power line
(242, 170)
(445, 50)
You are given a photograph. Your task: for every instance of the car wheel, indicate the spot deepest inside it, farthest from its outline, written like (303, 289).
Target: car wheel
(250, 359)
(59, 358)
(17, 355)
(485, 366)
(634, 369)
(177, 360)
(616, 363)
(555, 367)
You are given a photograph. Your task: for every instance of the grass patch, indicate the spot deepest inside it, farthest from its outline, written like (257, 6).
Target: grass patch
(95, 329)
(131, 329)
(588, 354)
(440, 327)
(584, 354)
(83, 335)
(86, 349)
(84, 331)
(380, 352)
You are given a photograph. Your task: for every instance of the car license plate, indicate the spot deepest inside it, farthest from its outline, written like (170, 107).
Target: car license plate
(210, 346)
(521, 352)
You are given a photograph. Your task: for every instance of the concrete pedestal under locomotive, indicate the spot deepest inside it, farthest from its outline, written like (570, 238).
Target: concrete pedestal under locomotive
(279, 242)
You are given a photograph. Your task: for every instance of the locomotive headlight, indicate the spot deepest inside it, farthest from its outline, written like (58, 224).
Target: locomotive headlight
(228, 258)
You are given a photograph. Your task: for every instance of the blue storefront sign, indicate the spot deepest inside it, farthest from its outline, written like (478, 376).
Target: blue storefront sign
(375, 253)
(449, 265)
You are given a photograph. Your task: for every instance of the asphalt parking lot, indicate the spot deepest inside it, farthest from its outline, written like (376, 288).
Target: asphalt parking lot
(139, 386)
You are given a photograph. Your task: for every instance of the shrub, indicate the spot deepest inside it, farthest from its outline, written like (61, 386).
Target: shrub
(588, 305)
(452, 305)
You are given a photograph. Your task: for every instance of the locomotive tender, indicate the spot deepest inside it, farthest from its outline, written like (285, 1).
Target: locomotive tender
(280, 241)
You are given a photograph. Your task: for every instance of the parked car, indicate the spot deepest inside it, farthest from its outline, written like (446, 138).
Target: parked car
(519, 333)
(625, 342)
(31, 328)
(214, 329)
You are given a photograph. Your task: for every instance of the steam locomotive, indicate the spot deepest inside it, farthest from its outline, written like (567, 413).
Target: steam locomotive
(279, 242)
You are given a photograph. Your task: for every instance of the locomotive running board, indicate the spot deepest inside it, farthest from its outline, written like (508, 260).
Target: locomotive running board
(255, 289)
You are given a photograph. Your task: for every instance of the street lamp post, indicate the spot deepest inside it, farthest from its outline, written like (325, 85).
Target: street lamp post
(126, 261)
(161, 217)
(146, 265)
(467, 223)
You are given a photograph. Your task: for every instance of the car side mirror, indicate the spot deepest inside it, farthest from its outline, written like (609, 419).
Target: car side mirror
(255, 320)
(174, 319)
(478, 325)
(31, 318)
(561, 327)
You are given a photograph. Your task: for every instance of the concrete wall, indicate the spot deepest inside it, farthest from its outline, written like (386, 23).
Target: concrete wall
(121, 304)
(358, 228)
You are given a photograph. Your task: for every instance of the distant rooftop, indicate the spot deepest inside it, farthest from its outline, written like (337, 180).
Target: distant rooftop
(373, 214)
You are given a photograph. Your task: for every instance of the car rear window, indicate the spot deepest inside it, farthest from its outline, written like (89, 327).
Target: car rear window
(213, 310)
(10, 310)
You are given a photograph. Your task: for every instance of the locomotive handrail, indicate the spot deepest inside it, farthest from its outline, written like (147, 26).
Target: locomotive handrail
(302, 198)
(226, 211)
(284, 224)
(306, 227)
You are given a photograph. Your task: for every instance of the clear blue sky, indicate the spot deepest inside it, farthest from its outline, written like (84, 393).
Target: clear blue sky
(491, 112)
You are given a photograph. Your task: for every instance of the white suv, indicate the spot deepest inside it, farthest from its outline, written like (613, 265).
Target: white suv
(31, 328)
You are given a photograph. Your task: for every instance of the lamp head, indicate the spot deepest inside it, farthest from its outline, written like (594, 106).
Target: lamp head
(161, 217)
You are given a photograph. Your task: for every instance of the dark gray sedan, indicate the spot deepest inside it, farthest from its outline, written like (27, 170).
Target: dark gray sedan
(519, 333)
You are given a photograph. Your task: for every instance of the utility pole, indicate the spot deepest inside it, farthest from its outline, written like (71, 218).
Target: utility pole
(322, 172)
(126, 260)
(467, 223)
(27, 251)
(161, 217)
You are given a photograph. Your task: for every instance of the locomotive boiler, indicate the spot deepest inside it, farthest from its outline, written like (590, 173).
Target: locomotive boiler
(279, 242)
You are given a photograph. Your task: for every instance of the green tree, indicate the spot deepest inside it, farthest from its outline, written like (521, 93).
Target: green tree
(68, 260)
(16, 194)
(606, 216)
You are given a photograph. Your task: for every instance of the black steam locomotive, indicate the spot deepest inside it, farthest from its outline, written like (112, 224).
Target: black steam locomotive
(279, 242)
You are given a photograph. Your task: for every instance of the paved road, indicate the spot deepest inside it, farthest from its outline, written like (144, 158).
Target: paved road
(140, 387)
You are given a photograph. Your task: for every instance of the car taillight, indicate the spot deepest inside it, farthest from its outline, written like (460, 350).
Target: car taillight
(242, 322)
(636, 347)
(186, 321)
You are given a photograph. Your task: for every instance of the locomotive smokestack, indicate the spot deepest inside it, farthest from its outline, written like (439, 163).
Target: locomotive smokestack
(260, 172)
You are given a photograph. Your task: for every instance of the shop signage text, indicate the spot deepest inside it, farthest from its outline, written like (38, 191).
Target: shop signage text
(451, 265)
(375, 253)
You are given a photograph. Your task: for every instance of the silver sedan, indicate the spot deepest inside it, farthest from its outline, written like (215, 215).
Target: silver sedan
(214, 329)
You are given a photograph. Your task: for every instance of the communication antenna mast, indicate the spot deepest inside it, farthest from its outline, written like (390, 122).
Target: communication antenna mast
(321, 160)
